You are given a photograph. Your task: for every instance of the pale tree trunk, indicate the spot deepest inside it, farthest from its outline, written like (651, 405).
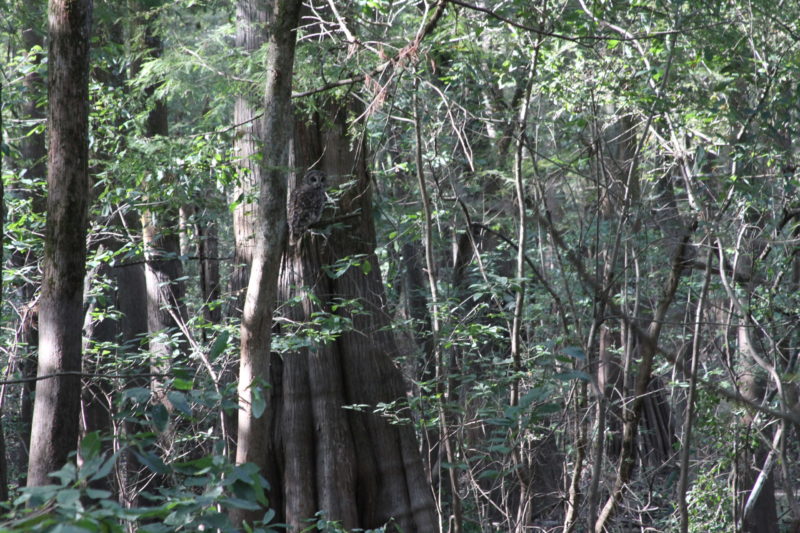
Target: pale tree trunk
(34, 154)
(759, 513)
(353, 465)
(254, 444)
(163, 269)
(55, 417)
(251, 34)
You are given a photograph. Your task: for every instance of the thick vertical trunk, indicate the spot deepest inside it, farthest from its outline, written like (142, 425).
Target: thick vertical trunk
(96, 403)
(319, 453)
(357, 467)
(55, 418)
(131, 302)
(163, 272)
(251, 34)
(33, 156)
(255, 370)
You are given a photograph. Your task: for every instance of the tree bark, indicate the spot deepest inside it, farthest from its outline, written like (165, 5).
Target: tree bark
(251, 34)
(131, 302)
(163, 268)
(208, 257)
(254, 444)
(55, 417)
(358, 467)
(34, 159)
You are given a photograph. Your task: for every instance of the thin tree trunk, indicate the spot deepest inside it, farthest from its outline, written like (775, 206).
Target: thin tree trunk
(161, 240)
(55, 417)
(208, 257)
(3, 458)
(96, 403)
(442, 368)
(686, 444)
(521, 466)
(632, 414)
(131, 302)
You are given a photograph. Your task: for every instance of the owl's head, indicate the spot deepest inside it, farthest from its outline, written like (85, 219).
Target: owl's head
(315, 178)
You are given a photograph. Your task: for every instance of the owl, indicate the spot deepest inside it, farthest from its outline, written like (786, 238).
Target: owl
(305, 204)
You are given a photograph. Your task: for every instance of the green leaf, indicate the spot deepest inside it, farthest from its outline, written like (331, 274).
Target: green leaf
(90, 445)
(183, 384)
(574, 351)
(98, 494)
(240, 503)
(159, 417)
(178, 401)
(259, 404)
(137, 395)
(219, 345)
(573, 374)
(105, 469)
(69, 528)
(68, 497)
(151, 461)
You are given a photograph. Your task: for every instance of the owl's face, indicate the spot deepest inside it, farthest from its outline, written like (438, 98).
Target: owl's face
(315, 178)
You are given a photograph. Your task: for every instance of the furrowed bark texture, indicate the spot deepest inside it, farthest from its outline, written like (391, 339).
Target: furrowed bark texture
(251, 34)
(55, 417)
(254, 443)
(354, 465)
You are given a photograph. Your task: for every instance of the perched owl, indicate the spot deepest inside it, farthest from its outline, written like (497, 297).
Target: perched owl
(305, 204)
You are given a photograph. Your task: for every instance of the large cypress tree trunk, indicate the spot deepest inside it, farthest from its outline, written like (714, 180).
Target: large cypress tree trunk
(55, 417)
(353, 465)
